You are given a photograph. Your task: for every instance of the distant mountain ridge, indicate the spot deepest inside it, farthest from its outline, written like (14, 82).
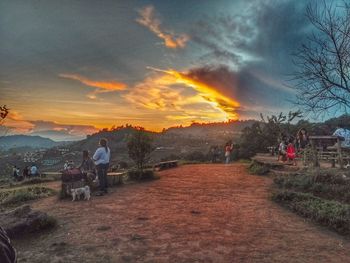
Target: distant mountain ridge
(20, 141)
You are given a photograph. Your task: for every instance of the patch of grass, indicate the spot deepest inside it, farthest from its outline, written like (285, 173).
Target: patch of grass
(258, 169)
(4, 180)
(332, 187)
(300, 182)
(13, 197)
(329, 213)
(37, 180)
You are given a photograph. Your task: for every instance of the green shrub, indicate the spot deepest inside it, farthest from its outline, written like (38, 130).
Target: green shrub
(258, 169)
(300, 182)
(44, 223)
(21, 195)
(197, 156)
(332, 214)
(333, 176)
(144, 175)
(323, 185)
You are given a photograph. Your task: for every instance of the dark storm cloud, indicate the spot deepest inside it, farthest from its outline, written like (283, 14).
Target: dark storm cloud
(265, 31)
(245, 85)
(256, 46)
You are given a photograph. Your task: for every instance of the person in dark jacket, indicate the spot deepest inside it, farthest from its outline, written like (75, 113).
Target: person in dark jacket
(87, 167)
(302, 139)
(7, 251)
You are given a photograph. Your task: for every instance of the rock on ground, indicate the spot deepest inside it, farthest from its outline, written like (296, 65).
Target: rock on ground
(24, 220)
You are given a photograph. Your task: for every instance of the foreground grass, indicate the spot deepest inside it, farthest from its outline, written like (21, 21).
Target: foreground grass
(14, 197)
(328, 184)
(332, 214)
(322, 196)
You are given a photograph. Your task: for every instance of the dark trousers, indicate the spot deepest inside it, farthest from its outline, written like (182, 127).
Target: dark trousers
(102, 176)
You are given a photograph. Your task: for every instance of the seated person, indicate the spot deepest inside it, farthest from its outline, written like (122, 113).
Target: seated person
(87, 167)
(282, 150)
(34, 170)
(344, 135)
(291, 154)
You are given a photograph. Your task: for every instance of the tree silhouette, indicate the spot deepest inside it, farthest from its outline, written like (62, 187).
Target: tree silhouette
(139, 147)
(3, 113)
(323, 62)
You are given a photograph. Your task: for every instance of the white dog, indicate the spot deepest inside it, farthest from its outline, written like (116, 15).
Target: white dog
(77, 192)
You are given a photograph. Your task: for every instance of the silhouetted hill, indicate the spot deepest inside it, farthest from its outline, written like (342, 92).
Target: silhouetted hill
(211, 129)
(174, 141)
(25, 141)
(58, 136)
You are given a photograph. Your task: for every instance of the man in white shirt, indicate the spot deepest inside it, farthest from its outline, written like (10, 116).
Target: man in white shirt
(101, 158)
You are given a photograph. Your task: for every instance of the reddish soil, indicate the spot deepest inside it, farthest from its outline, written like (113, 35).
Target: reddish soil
(194, 213)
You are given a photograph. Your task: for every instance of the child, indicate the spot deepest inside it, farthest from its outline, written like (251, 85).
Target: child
(291, 152)
(282, 150)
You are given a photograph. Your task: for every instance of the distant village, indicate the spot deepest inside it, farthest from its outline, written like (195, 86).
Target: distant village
(45, 159)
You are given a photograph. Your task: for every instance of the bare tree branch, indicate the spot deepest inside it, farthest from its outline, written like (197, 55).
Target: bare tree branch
(322, 79)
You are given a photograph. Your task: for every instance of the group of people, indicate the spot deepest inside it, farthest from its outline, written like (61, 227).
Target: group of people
(97, 165)
(215, 153)
(289, 146)
(28, 172)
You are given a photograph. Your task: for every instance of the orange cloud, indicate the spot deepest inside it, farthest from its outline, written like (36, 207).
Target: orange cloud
(15, 122)
(209, 93)
(171, 40)
(102, 86)
(163, 93)
(155, 94)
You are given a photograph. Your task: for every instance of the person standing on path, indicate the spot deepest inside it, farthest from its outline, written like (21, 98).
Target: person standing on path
(101, 158)
(228, 150)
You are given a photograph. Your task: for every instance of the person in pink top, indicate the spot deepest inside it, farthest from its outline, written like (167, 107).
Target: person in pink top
(291, 154)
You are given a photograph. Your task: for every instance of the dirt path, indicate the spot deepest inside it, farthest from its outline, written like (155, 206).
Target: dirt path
(194, 213)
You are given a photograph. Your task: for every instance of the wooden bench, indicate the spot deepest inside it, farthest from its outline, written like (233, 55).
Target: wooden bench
(114, 178)
(165, 165)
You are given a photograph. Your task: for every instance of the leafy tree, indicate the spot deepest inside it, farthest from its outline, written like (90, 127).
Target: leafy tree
(262, 135)
(252, 141)
(139, 147)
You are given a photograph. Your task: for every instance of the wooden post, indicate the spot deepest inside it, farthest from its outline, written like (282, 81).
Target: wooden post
(314, 152)
(340, 155)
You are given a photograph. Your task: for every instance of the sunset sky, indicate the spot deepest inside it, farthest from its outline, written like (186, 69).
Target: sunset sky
(71, 67)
